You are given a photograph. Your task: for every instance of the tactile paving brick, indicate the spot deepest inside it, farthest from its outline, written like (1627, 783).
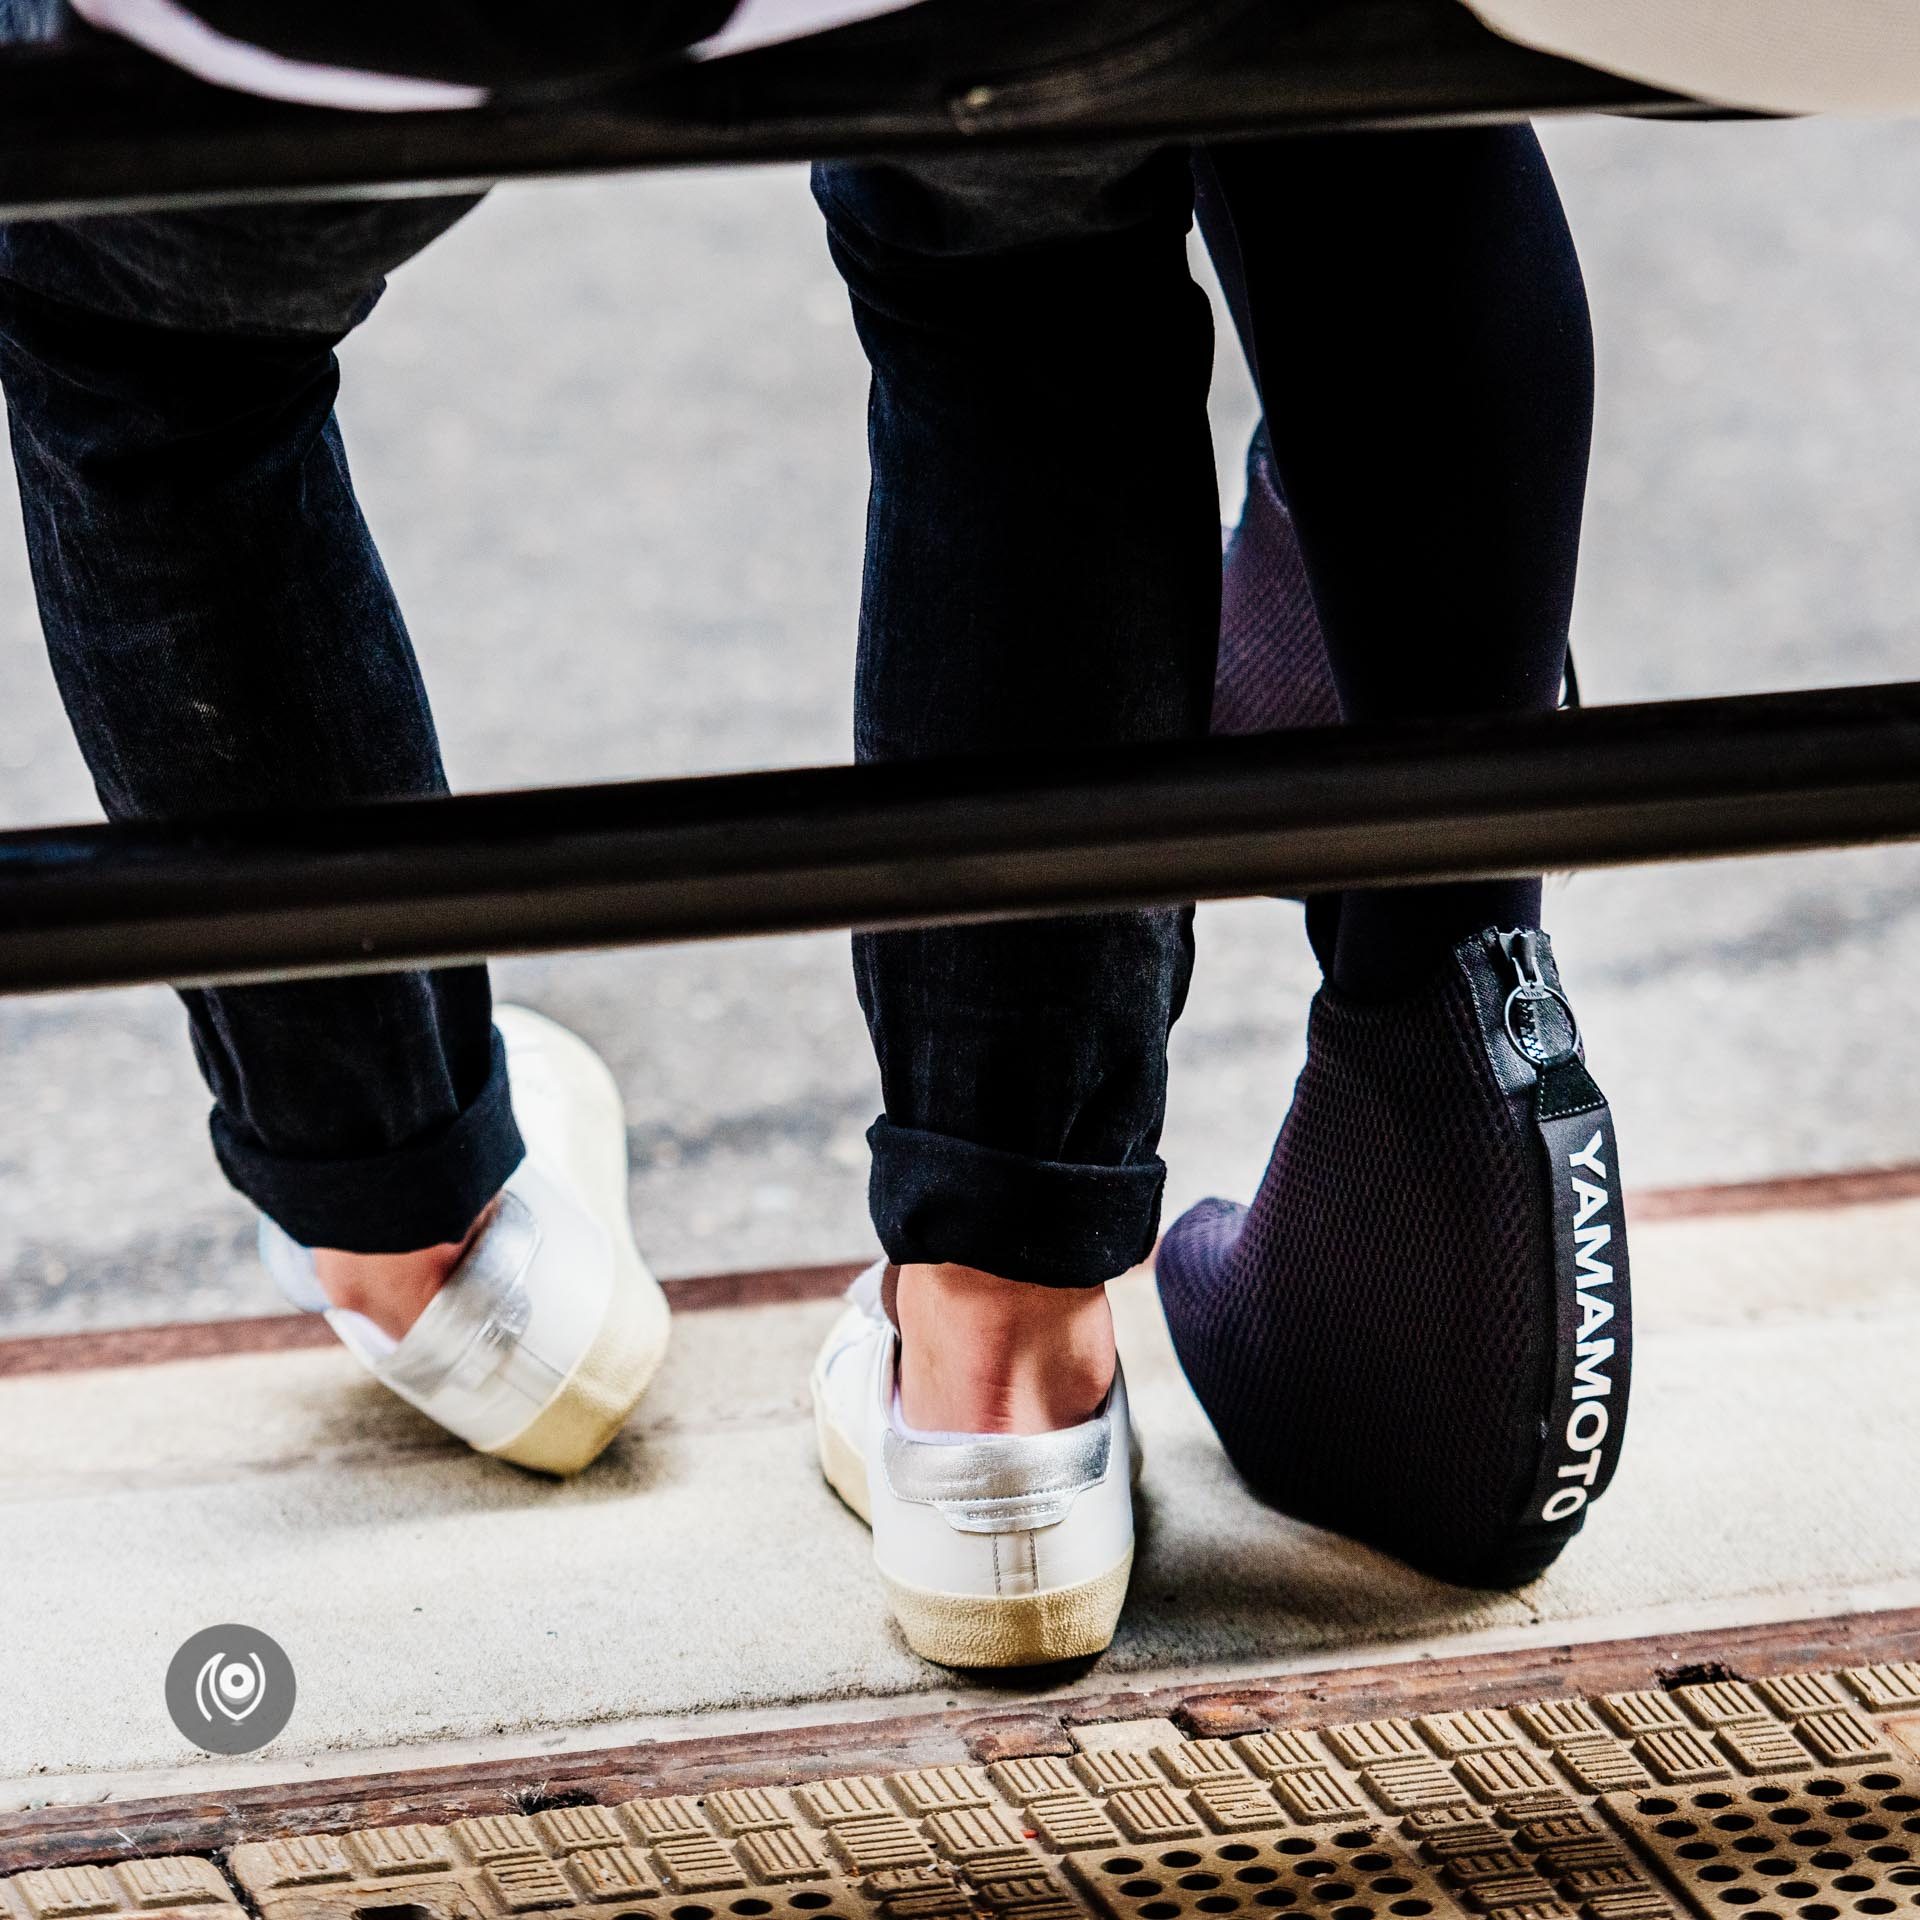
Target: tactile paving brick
(1058, 1906)
(1476, 1866)
(881, 1842)
(1678, 1756)
(134, 1886)
(1575, 1862)
(1642, 1903)
(1466, 1866)
(917, 1893)
(57, 1893)
(608, 1874)
(266, 1866)
(1021, 1892)
(1042, 1777)
(698, 1864)
(1471, 1730)
(1891, 1688)
(570, 1829)
(1843, 1738)
(1401, 1785)
(383, 1851)
(858, 1796)
(1721, 1703)
(1764, 1746)
(1505, 1773)
(1070, 1821)
(1236, 1806)
(1317, 1795)
(1525, 1808)
(527, 1883)
(748, 1809)
(178, 1882)
(1604, 1877)
(1554, 1722)
(1442, 1832)
(1153, 1813)
(1114, 1769)
(1560, 1829)
(486, 1837)
(1364, 1742)
(672, 1816)
(1191, 1761)
(1794, 1695)
(1281, 1750)
(971, 1834)
(1606, 1766)
(779, 1854)
(1726, 1800)
(1646, 1710)
(940, 1789)
(1521, 1889)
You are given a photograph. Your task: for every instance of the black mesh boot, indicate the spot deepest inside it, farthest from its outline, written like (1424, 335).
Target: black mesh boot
(1419, 1334)
(1272, 670)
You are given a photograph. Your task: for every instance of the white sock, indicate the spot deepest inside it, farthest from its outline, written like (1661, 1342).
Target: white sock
(375, 1342)
(898, 1421)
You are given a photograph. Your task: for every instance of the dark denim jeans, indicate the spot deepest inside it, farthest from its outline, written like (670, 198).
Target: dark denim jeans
(1040, 365)
(1043, 571)
(224, 637)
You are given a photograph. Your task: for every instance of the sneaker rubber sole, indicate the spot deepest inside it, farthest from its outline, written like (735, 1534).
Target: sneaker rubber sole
(594, 1402)
(972, 1630)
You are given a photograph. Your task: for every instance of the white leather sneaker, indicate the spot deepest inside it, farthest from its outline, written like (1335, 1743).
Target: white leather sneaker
(551, 1327)
(997, 1551)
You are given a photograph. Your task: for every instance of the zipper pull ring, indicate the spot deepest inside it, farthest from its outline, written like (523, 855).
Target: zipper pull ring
(1526, 1011)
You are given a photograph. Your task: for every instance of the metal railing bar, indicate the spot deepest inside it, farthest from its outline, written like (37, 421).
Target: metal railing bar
(94, 126)
(388, 885)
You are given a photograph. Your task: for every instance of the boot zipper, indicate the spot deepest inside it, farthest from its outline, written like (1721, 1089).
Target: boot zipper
(1526, 1014)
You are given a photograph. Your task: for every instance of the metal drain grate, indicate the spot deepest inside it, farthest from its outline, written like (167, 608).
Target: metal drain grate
(1795, 1797)
(764, 1903)
(1820, 1849)
(1359, 1874)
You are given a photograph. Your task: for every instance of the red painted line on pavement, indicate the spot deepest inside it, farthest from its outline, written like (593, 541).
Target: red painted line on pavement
(293, 1332)
(697, 1293)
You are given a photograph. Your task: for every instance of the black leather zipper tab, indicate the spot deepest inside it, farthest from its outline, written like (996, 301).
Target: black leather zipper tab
(1585, 1417)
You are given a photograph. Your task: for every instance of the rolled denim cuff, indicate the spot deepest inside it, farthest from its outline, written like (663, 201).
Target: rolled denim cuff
(424, 1194)
(1055, 1223)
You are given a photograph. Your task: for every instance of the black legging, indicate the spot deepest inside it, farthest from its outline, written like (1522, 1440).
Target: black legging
(1043, 572)
(1412, 309)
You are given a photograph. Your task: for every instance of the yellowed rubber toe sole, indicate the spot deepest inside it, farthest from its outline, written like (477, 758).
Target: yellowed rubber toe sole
(1013, 1630)
(840, 1462)
(580, 1129)
(582, 1419)
(981, 1630)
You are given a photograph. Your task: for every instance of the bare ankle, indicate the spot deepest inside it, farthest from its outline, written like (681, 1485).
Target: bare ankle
(392, 1289)
(979, 1354)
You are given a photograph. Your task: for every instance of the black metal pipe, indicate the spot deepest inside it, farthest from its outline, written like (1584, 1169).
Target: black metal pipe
(90, 125)
(383, 886)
